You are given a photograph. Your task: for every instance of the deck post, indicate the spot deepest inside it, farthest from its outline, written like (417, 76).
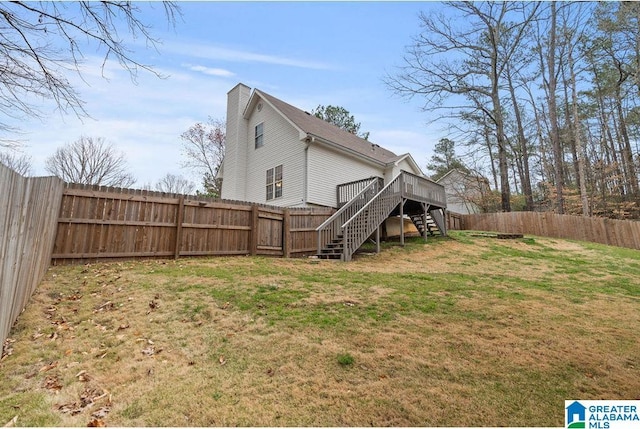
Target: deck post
(402, 222)
(424, 220)
(378, 239)
(444, 217)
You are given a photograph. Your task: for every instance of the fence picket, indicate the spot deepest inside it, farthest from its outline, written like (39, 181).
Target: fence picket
(28, 216)
(621, 233)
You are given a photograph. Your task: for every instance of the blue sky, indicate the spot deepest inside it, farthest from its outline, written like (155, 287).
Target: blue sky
(305, 53)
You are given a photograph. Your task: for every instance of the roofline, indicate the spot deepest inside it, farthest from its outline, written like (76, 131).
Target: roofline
(411, 160)
(312, 137)
(252, 101)
(472, 174)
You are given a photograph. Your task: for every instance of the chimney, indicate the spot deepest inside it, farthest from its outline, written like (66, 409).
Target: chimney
(235, 157)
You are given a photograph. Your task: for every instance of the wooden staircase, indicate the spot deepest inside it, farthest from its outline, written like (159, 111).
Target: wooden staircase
(344, 232)
(333, 250)
(424, 223)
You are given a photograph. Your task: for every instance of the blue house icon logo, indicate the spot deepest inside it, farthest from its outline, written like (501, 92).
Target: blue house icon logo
(576, 418)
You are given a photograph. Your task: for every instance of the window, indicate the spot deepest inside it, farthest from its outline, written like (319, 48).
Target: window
(259, 135)
(274, 183)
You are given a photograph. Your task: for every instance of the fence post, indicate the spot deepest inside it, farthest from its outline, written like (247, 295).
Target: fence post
(255, 221)
(286, 233)
(179, 221)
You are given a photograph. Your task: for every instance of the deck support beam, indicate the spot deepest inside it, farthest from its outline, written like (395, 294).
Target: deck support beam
(425, 211)
(402, 221)
(378, 238)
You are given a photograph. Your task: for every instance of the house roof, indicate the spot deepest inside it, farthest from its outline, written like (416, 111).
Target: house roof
(316, 127)
(464, 174)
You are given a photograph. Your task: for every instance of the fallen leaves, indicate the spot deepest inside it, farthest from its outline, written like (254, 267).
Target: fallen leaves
(83, 376)
(7, 348)
(149, 351)
(91, 394)
(49, 366)
(87, 399)
(52, 382)
(101, 412)
(222, 360)
(107, 306)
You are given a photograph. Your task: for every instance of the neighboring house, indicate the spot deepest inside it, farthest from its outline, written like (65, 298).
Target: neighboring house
(465, 191)
(280, 155)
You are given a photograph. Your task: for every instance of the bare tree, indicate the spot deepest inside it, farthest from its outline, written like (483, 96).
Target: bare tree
(175, 184)
(203, 146)
(467, 61)
(90, 161)
(21, 164)
(550, 84)
(41, 43)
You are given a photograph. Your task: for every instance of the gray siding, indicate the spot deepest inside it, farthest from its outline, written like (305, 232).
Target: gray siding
(233, 176)
(461, 191)
(402, 165)
(282, 146)
(328, 169)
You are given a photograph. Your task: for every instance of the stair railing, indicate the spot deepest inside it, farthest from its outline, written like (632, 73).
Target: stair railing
(438, 217)
(332, 227)
(362, 224)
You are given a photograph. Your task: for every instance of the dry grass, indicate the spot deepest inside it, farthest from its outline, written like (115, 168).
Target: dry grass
(466, 331)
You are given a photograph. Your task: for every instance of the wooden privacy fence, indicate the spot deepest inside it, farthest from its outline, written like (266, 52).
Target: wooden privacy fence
(97, 223)
(28, 213)
(621, 233)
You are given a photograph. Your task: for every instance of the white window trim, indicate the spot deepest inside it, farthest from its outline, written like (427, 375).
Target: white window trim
(259, 138)
(274, 183)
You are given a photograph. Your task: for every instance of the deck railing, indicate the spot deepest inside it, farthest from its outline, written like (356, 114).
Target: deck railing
(420, 189)
(332, 227)
(345, 192)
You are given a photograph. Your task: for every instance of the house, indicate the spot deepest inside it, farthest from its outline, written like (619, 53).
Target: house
(280, 155)
(465, 191)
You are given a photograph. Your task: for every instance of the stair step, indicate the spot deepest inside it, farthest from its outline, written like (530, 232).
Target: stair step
(329, 256)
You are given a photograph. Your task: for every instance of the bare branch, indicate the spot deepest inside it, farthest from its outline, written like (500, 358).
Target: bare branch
(90, 161)
(203, 147)
(40, 44)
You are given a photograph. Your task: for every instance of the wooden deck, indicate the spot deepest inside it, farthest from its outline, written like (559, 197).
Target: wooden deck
(357, 219)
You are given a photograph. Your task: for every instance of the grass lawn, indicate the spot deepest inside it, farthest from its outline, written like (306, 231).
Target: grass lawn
(460, 331)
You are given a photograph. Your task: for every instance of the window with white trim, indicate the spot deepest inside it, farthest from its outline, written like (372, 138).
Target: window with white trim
(259, 140)
(274, 183)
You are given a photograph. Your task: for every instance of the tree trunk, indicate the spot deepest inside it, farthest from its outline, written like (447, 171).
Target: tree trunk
(522, 146)
(570, 124)
(553, 114)
(627, 154)
(577, 142)
(503, 165)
